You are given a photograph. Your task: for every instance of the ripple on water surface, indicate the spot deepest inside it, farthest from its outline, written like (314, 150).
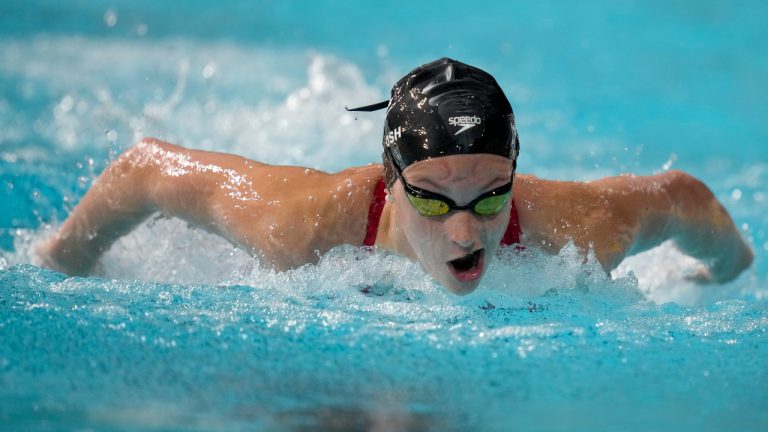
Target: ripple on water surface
(307, 347)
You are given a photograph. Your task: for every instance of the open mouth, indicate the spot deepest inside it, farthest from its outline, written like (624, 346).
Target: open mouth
(468, 267)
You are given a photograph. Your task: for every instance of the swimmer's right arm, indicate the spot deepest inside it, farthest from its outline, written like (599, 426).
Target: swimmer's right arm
(625, 215)
(130, 189)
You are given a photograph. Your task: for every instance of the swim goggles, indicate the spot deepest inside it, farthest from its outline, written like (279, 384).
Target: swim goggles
(433, 204)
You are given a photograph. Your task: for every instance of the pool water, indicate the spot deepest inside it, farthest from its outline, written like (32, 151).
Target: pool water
(177, 330)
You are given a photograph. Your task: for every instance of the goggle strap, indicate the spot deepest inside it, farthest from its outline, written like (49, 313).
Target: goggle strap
(370, 108)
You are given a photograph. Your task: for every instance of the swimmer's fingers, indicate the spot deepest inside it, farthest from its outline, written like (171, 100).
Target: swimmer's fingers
(43, 256)
(700, 275)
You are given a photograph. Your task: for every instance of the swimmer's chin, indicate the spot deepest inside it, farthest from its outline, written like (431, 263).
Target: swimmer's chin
(463, 288)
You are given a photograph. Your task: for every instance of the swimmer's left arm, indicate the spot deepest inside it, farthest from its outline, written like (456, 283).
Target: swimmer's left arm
(625, 215)
(702, 228)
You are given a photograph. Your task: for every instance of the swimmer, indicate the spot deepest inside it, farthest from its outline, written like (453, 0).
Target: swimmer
(447, 196)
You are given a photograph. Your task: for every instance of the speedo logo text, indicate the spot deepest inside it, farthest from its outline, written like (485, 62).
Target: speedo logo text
(465, 122)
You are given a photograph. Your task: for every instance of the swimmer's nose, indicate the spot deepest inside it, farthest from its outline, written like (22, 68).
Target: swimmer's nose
(463, 230)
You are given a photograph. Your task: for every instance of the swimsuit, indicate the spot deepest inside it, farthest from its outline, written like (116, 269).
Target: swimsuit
(511, 236)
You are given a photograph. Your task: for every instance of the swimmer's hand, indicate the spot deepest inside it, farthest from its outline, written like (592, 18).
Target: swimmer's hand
(733, 261)
(50, 254)
(703, 229)
(700, 275)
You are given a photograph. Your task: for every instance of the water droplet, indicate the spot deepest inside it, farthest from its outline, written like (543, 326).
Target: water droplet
(736, 194)
(209, 71)
(67, 103)
(110, 18)
(670, 161)
(112, 135)
(142, 29)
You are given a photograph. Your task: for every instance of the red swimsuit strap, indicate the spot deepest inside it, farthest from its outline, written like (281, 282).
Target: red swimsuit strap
(374, 213)
(511, 236)
(513, 232)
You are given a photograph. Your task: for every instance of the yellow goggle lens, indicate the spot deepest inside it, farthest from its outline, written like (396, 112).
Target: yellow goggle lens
(491, 205)
(427, 206)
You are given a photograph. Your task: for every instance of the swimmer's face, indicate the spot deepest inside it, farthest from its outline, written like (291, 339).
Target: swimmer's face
(457, 247)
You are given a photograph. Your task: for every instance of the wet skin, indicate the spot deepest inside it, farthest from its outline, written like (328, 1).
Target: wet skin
(289, 216)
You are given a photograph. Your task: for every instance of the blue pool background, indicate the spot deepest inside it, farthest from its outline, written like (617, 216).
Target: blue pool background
(178, 331)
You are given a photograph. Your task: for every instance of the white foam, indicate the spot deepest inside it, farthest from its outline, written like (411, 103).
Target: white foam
(665, 274)
(277, 106)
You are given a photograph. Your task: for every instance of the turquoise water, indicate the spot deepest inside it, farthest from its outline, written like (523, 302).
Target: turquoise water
(178, 331)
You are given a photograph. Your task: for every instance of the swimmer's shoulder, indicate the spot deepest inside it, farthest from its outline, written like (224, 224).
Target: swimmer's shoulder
(551, 211)
(531, 187)
(365, 176)
(358, 185)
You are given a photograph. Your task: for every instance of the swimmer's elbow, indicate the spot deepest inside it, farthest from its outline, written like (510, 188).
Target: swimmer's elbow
(687, 192)
(145, 148)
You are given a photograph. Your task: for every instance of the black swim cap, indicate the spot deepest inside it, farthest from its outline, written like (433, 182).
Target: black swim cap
(443, 108)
